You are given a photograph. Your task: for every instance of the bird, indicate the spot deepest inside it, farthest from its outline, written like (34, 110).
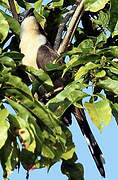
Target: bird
(38, 52)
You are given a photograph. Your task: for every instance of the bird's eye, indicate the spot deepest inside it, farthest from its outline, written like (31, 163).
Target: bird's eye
(20, 19)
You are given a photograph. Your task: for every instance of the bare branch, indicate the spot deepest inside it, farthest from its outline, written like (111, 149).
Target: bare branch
(13, 9)
(62, 25)
(72, 26)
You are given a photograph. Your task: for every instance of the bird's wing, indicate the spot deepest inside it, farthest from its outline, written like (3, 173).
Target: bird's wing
(45, 55)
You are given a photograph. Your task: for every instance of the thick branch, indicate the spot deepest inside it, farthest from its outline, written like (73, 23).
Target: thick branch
(13, 9)
(72, 26)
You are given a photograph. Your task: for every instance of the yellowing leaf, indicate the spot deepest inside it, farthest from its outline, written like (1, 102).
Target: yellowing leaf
(69, 154)
(100, 113)
(4, 126)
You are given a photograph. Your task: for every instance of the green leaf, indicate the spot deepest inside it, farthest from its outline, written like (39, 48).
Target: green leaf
(67, 155)
(103, 18)
(114, 51)
(7, 61)
(115, 110)
(47, 152)
(113, 15)
(57, 3)
(4, 126)
(85, 69)
(25, 120)
(22, 131)
(24, 4)
(4, 3)
(109, 85)
(100, 74)
(115, 32)
(39, 16)
(112, 69)
(100, 113)
(31, 1)
(40, 75)
(14, 55)
(102, 38)
(4, 28)
(70, 147)
(73, 170)
(95, 5)
(9, 156)
(86, 46)
(71, 94)
(29, 160)
(76, 60)
(36, 108)
(16, 83)
(13, 23)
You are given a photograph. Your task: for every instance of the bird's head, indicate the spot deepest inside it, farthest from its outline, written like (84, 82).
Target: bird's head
(25, 14)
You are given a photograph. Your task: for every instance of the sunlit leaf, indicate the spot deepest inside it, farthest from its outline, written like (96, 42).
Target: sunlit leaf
(84, 70)
(100, 113)
(103, 18)
(57, 3)
(100, 74)
(109, 85)
(113, 70)
(13, 23)
(115, 32)
(7, 61)
(95, 5)
(76, 60)
(4, 3)
(4, 28)
(86, 46)
(4, 126)
(71, 94)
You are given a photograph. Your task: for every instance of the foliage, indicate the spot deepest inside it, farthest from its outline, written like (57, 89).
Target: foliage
(93, 58)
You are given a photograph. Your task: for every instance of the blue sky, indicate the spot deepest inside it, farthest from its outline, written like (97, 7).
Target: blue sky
(108, 143)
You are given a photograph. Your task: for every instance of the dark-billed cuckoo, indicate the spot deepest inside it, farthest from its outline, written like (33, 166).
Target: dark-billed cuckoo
(37, 53)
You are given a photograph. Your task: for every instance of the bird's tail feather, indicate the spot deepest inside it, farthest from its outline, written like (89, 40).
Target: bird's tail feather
(89, 137)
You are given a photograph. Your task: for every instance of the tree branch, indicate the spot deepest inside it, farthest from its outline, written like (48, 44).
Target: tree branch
(72, 26)
(62, 25)
(13, 9)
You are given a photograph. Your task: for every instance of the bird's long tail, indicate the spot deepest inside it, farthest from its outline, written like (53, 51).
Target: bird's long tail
(88, 135)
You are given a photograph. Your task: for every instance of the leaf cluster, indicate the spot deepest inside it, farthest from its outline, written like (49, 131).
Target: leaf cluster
(32, 133)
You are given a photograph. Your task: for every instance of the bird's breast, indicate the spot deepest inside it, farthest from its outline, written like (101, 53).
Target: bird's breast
(29, 46)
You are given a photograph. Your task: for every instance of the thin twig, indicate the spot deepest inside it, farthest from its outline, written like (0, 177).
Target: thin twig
(13, 9)
(62, 26)
(47, 95)
(74, 21)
